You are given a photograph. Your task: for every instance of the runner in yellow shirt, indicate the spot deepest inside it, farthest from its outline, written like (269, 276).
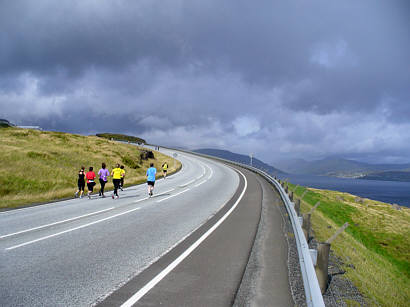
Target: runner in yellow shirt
(165, 169)
(116, 179)
(122, 177)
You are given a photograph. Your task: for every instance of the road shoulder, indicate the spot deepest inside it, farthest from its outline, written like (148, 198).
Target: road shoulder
(266, 282)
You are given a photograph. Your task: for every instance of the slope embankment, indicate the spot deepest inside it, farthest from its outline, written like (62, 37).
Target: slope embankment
(373, 252)
(40, 166)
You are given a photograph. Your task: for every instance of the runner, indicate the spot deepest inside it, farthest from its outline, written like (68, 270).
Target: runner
(122, 177)
(164, 169)
(103, 173)
(90, 181)
(116, 179)
(80, 182)
(151, 172)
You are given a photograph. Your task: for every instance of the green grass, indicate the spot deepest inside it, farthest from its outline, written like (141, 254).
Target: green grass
(121, 137)
(39, 166)
(375, 247)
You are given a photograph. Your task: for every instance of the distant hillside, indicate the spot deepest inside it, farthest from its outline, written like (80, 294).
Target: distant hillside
(244, 159)
(121, 137)
(388, 176)
(4, 123)
(338, 167)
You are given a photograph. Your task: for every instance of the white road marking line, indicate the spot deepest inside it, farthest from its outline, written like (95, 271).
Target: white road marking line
(197, 185)
(210, 175)
(144, 290)
(56, 223)
(72, 229)
(158, 201)
(139, 200)
(165, 192)
(185, 184)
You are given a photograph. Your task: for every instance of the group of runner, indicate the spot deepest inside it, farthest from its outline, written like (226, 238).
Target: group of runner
(118, 175)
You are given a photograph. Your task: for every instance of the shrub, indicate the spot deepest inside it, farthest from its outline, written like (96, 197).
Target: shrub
(130, 162)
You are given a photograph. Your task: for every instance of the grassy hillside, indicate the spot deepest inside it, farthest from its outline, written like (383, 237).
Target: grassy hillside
(121, 137)
(375, 248)
(39, 166)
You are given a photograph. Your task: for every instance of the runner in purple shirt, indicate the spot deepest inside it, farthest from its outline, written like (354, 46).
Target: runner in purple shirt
(103, 173)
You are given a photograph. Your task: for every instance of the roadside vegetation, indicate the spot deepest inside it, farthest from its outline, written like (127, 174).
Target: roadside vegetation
(39, 166)
(374, 249)
(121, 137)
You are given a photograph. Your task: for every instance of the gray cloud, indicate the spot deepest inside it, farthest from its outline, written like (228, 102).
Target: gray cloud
(278, 78)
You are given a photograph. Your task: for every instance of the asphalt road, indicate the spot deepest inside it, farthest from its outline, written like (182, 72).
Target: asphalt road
(186, 246)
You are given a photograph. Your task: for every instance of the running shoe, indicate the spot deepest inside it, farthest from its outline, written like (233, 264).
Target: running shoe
(112, 196)
(89, 196)
(76, 194)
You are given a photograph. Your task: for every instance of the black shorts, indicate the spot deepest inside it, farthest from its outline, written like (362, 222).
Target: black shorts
(164, 170)
(151, 183)
(90, 186)
(81, 185)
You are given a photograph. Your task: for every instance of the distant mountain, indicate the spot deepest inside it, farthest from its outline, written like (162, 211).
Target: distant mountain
(338, 167)
(388, 176)
(244, 159)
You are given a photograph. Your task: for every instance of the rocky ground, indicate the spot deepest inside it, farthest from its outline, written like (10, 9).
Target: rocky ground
(340, 292)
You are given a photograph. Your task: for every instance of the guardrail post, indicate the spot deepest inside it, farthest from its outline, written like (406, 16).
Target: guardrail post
(323, 251)
(321, 268)
(286, 189)
(306, 225)
(297, 206)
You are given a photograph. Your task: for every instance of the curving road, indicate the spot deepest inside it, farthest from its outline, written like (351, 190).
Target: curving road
(187, 245)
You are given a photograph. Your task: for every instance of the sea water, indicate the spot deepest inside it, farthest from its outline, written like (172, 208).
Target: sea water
(385, 191)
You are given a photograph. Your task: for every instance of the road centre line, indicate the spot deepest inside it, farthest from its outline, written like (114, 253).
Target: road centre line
(165, 192)
(185, 184)
(210, 175)
(140, 200)
(151, 284)
(72, 229)
(158, 201)
(56, 223)
(197, 185)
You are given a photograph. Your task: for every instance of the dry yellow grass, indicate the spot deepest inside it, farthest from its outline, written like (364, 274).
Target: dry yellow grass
(40, 166)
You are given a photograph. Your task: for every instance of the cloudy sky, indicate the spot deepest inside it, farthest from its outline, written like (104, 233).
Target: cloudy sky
(280, 79)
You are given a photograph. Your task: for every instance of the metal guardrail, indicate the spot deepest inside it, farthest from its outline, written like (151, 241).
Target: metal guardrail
(313, 294)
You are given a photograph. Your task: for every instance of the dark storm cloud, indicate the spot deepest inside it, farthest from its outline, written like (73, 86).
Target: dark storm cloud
(288, 77)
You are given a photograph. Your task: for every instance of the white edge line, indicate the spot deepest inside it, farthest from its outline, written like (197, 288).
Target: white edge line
(52, 224)
(158, 201)
(138, 295)
(72, 229)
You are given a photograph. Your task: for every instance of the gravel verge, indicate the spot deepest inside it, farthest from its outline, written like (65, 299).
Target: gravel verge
(340, 292)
